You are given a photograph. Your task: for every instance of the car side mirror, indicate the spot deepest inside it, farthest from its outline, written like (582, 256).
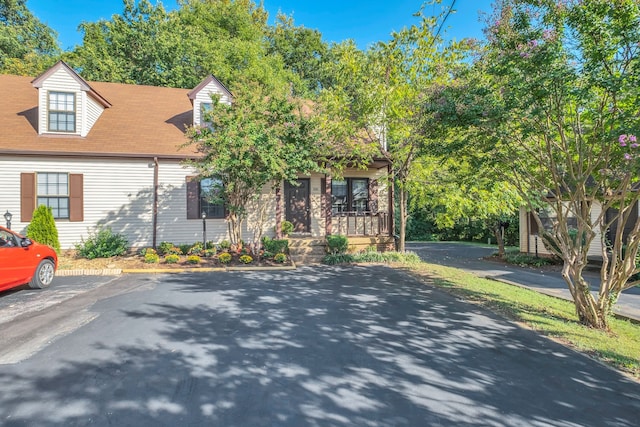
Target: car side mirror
(25, 243)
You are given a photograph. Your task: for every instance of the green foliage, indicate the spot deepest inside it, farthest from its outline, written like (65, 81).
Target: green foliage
(267, 254)
(225, 245)
(261, 138)
(524, 260)
(275, 245)
(280, 258)
(171, 259)
(103, 244)
(208, 253)
(151, 257)
(165, 247)
(371, 256)
(43, 228)
(193, 259)
(287, 227)
(27, 46)
(225, 257)
(337, 244)
(246, 259)
(184, 248)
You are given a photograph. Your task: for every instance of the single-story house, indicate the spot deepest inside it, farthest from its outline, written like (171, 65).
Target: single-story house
(112, 155)
(530, 234)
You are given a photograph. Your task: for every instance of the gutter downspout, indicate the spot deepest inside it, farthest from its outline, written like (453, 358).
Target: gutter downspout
(155, 201)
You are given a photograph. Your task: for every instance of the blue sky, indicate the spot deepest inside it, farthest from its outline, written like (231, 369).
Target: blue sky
(365, 21)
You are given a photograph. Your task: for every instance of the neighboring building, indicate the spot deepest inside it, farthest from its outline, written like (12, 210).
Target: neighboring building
(113, 155)
(530, 235)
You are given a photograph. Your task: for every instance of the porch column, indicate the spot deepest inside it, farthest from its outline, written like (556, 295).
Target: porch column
(327, 205)
(279, 212)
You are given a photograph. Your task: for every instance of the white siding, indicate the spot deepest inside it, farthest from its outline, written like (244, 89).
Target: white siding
(528, 240)
(94, 110)
(60, 81)
(204, 96)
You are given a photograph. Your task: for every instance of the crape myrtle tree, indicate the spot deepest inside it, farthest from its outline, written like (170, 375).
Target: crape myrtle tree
(555, 101)
(262, 138)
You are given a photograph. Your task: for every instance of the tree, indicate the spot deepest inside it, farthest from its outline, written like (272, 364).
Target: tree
(150, 46)
(27, 46)
(43, 229)
(260, 139)
(457, 189)
(302, 51)
(559, 109)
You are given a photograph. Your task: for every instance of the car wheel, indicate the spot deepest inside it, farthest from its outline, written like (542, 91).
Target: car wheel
(43, 275)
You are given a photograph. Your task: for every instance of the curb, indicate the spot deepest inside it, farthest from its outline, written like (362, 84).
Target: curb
(118, 271)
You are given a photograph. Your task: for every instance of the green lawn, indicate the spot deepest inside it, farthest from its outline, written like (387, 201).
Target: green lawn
(550, 316)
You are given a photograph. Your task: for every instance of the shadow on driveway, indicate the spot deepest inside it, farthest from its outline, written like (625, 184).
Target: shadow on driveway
(323, 346)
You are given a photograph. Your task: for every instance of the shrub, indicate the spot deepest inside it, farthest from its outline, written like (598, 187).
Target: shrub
(337, 244)
(173, 250)
(103, 244)
(267, 254)
(193, 259)
(246, 259)
(368, 256)
(275, 245)
(43, 229)
(171, 259)
(224, 258)
(196, 249)
(164, 247)
(151, 257)
(224, 245)
(280, 258)
(144, 251)
(287, 228)
(208, 253)
(184, 248)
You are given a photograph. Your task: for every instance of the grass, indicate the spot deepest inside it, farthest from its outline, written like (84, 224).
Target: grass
(553, 317)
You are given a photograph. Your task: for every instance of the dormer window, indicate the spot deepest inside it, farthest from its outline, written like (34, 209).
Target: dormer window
(205, 109)
(62, 112)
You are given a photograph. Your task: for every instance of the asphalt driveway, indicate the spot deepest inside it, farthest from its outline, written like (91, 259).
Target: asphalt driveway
(320, 346)
(548, 281)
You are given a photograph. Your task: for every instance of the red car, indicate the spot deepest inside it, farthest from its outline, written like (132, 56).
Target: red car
(24, 261)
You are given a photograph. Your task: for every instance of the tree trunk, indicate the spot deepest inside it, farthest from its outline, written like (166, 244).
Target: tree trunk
(589, 312)
(498, 233)
(403, 218)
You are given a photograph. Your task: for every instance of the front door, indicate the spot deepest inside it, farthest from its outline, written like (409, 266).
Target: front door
(297, 205)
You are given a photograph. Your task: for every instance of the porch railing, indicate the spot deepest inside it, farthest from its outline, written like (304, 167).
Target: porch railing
(360, 223)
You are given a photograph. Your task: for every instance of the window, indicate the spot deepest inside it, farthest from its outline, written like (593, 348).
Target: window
(62, 112)
(205, 109)
(350, 195)
(53, 191)
(210, 202)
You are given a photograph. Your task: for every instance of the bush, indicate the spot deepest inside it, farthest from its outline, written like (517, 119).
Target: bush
(103, 244)
(174, 250)
(280, 258)
(151, 257)
(224, 245)
(524, 260)
(224, 258)
(193, 259)
(164, 247)
(208, 253)
(184, 248)
(275, 245)
(196, 249)
(369, 256)
(246, 259)
(42, 228)
(337, 244)
(267, 254)
(171, 258)
(287, 228)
